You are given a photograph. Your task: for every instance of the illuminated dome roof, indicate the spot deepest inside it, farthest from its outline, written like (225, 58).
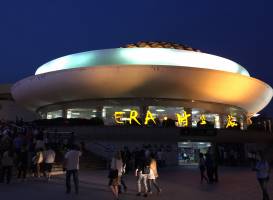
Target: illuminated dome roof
(167, 45)
(142, 56)
(146, 70)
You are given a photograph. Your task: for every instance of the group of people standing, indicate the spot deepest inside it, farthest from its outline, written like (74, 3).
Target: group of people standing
(24, 151)
(131, 157)
(40, 164)
(260, 165)
(208, 164)
(145, 171)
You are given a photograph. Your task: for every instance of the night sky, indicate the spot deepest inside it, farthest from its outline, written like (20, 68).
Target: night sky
(33, 32)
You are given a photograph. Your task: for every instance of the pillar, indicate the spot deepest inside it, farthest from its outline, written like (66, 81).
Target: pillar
(64, 113)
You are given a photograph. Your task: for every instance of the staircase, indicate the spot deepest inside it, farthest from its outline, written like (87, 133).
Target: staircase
(57, 169)
(88, 161)
(92, 161)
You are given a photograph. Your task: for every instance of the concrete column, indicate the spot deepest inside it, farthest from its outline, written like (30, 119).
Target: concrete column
(244, 120)
(99, 111)
(64, 113)
(217, 122)
(223, 118)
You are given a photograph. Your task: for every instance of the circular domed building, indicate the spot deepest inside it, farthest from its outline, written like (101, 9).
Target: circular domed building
(147, 80)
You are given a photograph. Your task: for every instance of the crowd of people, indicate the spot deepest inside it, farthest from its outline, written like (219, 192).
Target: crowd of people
(145, 171)
(131, 157)
(29, 152)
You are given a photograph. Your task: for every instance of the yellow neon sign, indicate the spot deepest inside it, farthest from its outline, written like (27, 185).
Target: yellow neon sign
(118, 116)
(183, 119)
(133, 116)
(203, 120)
(149, 116)
(231, 123)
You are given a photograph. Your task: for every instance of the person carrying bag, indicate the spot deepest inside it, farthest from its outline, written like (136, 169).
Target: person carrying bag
(115, 174)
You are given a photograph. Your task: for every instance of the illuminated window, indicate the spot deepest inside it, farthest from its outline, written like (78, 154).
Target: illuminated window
(163, 113)
(198, 116)
(43, 115)
(83, 113)
(54, 114)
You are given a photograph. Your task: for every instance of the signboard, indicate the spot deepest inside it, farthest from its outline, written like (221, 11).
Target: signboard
(182, 119)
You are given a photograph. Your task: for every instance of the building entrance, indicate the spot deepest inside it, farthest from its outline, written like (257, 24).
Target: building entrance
(188, 152)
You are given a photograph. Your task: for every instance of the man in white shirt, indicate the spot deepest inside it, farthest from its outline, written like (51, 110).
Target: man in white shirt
(49, 158)
(71, 164)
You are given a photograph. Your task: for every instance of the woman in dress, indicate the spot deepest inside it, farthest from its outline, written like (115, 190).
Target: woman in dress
(152, 176)
(115, 174)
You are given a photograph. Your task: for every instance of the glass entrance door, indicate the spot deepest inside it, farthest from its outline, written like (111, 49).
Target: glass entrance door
(188, 152)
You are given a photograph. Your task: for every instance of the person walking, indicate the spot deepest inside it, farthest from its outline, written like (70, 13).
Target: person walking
(262, 169)
(49, 158)
(202, 167)
(125, 160)
(71, 165)
(152, 176)
(38, 162)
(209, 167)
(116, 170)
(7, 165)
(122, 182)
(142, 171)
(22, 165)
(215, 168)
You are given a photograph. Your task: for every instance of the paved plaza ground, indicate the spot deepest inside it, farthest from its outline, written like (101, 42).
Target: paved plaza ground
(177, 183)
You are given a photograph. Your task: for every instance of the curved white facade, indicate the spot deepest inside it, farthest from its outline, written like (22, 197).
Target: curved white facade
(9, 109)
(106, 82)
(143, 78)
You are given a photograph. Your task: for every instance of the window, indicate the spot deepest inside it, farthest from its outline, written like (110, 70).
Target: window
(163, 113)
(54, 114)
(83, 113)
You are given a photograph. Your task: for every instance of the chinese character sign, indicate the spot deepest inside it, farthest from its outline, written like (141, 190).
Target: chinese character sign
(203, 120)
(183, 119)
(231, 122)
